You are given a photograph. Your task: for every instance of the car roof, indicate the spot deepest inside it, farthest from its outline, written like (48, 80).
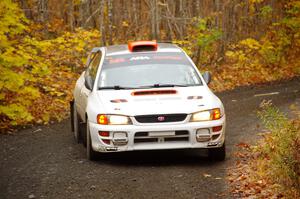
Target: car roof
(123, 49)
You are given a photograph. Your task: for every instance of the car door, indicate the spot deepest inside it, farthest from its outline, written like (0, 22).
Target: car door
(90, 74)
(78, 87)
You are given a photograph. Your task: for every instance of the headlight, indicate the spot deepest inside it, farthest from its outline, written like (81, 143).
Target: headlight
(113, 119)
(118, 119)
(213, 114)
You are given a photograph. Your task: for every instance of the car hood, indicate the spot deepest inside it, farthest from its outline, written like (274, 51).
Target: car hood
(185, 100)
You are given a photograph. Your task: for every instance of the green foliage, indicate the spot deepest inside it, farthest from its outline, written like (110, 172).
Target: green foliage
(16, 112)
(266, 11)
(279, 147)
(12, 22)
(202, 39)
(14, 78)
(270, 169)
(207, 35)
(254, 54)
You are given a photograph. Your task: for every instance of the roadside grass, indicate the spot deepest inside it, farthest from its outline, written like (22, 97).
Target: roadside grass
(271, 168)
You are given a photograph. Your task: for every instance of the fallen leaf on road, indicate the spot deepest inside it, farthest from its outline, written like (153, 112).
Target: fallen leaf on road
(37, 130)
(206, 175)
(243, 145)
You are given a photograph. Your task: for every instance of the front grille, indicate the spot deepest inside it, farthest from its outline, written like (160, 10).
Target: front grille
(143, 137)
(160, 118)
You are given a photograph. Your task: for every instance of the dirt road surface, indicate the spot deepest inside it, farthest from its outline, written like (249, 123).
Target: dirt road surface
(45, 162)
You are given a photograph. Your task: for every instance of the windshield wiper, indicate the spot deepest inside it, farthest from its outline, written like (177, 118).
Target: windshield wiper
(117, 87)
(163, 85)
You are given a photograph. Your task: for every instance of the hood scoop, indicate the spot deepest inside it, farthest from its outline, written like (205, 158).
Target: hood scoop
(154, 92)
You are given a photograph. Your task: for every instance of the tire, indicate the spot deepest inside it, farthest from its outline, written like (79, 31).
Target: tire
(218, 154)
(91, 154)
(75, 123)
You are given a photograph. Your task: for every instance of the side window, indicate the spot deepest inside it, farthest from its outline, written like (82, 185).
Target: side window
(94, 64)
(89, 58)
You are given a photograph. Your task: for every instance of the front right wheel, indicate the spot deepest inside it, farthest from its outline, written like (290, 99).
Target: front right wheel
(218, 154)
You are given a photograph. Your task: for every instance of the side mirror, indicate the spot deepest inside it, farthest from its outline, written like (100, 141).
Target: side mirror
(207, 77)
(88, 82)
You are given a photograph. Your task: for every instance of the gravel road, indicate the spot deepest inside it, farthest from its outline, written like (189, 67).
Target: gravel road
(45, 162)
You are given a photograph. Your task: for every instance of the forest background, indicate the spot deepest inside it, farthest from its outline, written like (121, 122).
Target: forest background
(44, 45)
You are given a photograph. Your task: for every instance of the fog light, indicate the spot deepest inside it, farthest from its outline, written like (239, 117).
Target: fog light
(203, 135)
(120, 138)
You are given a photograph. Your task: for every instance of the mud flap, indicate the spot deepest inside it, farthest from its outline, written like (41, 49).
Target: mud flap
(71, 115)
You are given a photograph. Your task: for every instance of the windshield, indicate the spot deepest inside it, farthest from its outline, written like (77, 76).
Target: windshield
(147, 70)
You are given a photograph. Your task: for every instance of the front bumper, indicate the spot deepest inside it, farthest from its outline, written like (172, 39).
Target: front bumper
(159, 138)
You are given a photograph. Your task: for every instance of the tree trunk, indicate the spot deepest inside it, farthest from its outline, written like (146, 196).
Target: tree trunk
(109, 6)
(157, 20)
(101, 24)
(71, 15)
(27, 10)
(43, 10)
(91, 5)
(153, 7)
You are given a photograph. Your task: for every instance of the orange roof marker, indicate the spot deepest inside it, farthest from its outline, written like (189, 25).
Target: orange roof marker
(136, 46)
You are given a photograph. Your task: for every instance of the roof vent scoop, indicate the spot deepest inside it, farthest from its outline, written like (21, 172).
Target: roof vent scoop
(139, 46)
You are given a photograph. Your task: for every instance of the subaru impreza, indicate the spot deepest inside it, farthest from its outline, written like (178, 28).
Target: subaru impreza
(146, 96)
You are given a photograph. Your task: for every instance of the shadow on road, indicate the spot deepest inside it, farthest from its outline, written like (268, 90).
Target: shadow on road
(158, 158)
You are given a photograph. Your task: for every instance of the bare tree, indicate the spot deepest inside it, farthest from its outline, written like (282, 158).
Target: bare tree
(156, 19)
(153, 13)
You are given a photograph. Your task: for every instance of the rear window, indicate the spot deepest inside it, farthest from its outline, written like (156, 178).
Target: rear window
(142, 69)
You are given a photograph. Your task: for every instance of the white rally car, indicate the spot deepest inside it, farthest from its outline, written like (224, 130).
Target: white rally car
(146, 96)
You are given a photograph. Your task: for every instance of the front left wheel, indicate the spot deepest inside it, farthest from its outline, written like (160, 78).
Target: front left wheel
(91, 154)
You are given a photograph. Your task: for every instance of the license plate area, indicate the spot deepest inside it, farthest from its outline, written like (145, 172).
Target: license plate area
(161, 133)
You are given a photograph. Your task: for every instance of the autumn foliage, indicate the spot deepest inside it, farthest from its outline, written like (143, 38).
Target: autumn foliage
(41, 55)
(37, 74)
